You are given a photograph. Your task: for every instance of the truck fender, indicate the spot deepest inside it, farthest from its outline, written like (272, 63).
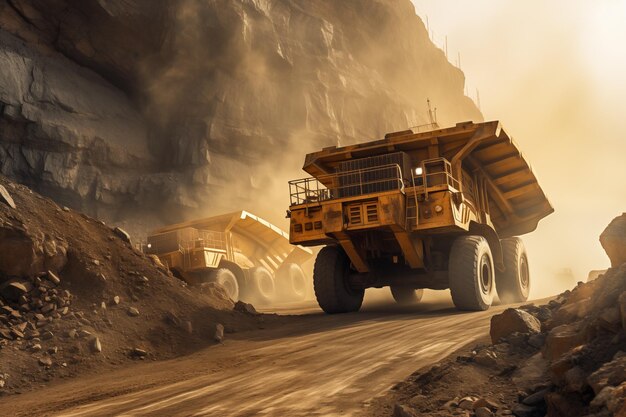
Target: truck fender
(494, 242)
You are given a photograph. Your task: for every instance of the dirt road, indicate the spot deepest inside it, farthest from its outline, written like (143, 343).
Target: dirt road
(314, 365)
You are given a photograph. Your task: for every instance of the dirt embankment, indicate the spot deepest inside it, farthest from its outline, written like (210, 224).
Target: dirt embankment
(563, 359)
(77, 298)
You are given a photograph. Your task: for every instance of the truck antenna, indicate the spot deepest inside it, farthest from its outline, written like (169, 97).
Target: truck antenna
(432, 114)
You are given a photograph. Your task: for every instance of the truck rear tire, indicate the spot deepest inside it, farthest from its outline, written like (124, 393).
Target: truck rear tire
(330, 282)
(406, 296)
(513, 284)
(261, 286)
(292, 283)
(226, 278)
(471, 273)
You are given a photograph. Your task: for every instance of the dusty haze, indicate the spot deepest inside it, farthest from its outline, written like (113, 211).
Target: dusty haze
(553, 73)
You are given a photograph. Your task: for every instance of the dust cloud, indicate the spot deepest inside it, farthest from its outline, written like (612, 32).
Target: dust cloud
(553, 73)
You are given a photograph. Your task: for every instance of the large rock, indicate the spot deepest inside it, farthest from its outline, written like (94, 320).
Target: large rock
(106, 105)
(571, 311)
(6, 197)
(510, 321)
(26, 252)
(612, 373)
(562, 339)
(613, 240)
(13, 290)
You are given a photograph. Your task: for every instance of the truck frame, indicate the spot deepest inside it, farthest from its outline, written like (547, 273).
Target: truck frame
(436, 209)
(250, 257)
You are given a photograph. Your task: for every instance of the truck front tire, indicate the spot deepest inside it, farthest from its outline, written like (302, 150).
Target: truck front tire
(471, 273)
(261, 287)
(292, 283)
(406, 296)
(226, 278)
(330, 282)
(514, 283)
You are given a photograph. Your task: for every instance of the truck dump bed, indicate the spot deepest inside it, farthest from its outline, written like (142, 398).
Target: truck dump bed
(261, 242)
(516, 200)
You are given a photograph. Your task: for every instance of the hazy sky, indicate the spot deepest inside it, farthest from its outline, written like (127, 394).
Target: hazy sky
(554, 73)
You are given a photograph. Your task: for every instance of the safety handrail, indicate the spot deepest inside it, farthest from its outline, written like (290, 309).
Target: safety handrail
(353, 183)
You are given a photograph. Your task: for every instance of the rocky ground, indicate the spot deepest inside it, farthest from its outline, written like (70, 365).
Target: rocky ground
(566, 358)
(76, 298)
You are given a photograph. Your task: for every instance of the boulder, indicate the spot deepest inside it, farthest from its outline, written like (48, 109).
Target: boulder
(94, 345)
(537, 340)
(522, 410)
(13, 290)
(187, 326)
(25, 254)
(562, 339)
(611, 373)
(138, 352)
(562, 405)
(575, 379)
(486, 358)
(610, 319)
(536, 399)
(219, 333)
(483, 412)
(156, 261)
(467, 403)
(122, 234)
(245, 308)
(613, 240)
(45, 361)
(510, 321)
(485, 403)
(582, 291)
(571, 311)
(6, 198)
(616, 403)
(602, 398)
(53, 278)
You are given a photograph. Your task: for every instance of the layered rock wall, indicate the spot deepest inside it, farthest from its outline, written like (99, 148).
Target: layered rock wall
(176, 108)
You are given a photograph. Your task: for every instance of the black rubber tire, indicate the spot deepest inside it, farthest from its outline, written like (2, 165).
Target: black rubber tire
(226, 278)
(330, 282)
(471, 273)
(406, 296)
(292, 283)
(261, 287)
(514, 283)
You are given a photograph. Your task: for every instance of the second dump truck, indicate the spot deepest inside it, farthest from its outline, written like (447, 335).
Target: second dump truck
(436, 209)
(248, 256)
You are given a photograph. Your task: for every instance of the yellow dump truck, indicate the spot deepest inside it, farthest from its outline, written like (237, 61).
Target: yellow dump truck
(437, 209)
(250, 257)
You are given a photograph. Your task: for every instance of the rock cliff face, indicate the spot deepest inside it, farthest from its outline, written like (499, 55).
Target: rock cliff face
(179, 107)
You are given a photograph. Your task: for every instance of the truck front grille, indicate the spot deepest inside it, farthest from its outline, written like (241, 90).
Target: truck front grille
(354, 215)
(372, 212)
(362, 214)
